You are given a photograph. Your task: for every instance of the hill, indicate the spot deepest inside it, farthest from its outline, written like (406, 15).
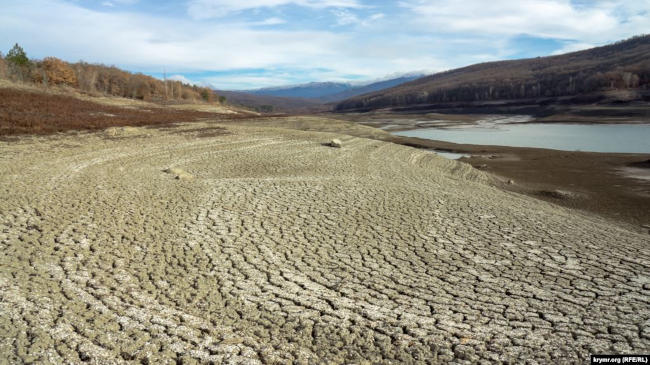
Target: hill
(331, 91)
(579, 77)
(28, 109)
(272, 104)
(312, 90)
(98, 79)
(375, 86)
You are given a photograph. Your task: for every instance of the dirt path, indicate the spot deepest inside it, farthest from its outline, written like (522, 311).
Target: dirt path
(278, 248)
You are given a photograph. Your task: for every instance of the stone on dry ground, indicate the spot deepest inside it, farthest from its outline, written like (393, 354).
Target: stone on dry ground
(282, 249)
(336, 143)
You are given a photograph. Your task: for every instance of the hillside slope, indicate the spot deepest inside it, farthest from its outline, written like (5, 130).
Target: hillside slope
(328, 92)
(312, 90)
(375, 86)
(28, 109)
(624, 65)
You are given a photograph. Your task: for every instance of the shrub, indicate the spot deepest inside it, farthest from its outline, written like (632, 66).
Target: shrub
(206, 94)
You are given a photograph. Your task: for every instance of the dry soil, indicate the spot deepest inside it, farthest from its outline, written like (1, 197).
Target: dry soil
(280, 249)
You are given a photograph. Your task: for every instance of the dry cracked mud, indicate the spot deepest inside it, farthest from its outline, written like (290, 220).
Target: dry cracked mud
(283, 250)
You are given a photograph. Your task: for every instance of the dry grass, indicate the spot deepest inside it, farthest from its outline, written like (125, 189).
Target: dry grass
(24, 111)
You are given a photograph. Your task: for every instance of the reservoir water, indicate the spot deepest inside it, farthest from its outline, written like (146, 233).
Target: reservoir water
(623, 138)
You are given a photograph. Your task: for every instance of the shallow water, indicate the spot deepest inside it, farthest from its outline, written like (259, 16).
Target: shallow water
(451, 155)
(624, 138)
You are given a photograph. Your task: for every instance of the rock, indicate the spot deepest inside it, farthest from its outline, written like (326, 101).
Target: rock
(335, 143)
(179, 174)
(646, 226)
(511, 182)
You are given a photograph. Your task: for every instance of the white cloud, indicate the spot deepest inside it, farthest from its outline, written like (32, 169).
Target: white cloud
(181, 78)
(573, 47)
(345, 17)
(589, 22)
(144, 42)
(111, 4)
(421, 35)
(271, 21)
(203, 9)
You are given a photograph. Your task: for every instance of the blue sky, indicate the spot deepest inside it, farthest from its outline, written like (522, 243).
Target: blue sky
(238, 44)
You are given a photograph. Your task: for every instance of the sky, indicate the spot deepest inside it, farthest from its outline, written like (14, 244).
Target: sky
(246, 44)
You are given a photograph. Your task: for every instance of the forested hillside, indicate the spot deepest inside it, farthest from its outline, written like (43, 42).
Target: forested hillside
(623, 65)
(97, 79)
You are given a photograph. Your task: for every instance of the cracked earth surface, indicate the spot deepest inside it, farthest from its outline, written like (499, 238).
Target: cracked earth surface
(283, 250)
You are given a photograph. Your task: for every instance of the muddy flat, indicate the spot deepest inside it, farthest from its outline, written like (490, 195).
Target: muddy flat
(246, 244)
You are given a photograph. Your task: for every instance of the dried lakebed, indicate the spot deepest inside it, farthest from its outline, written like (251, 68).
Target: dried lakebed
(277, 248)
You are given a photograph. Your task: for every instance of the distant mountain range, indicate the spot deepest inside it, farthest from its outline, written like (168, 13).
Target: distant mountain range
(326, 92)
(618, 71)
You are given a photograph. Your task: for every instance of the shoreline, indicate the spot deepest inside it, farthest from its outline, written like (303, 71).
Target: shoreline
(587, 181)
(597, 182)
(590, 181)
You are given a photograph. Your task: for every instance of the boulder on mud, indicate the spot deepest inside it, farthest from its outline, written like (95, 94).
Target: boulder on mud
(179, 174)
(336, 143)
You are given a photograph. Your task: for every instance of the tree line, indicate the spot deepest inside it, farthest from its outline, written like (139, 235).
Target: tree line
(98, 79)
(620, 66)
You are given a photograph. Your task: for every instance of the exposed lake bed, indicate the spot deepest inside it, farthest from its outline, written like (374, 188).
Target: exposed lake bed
(608, 183)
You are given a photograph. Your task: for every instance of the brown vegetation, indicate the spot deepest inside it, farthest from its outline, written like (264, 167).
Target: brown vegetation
(3, 67)
(56, 72)
(23, 111)
(623, 65)
(97, 79)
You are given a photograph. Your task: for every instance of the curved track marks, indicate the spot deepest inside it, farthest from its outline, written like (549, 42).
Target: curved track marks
(282, 249)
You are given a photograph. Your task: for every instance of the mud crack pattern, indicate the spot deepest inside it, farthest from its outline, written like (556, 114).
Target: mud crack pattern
(283, 250)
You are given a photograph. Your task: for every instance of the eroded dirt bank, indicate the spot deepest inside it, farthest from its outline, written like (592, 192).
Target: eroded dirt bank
(274, 247)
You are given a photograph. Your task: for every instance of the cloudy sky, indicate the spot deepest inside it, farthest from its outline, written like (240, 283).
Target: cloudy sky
(240, 44)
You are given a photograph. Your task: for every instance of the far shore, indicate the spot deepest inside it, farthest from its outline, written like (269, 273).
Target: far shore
(395, 122)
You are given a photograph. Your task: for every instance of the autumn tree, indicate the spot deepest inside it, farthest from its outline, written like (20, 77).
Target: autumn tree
(58, 72)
